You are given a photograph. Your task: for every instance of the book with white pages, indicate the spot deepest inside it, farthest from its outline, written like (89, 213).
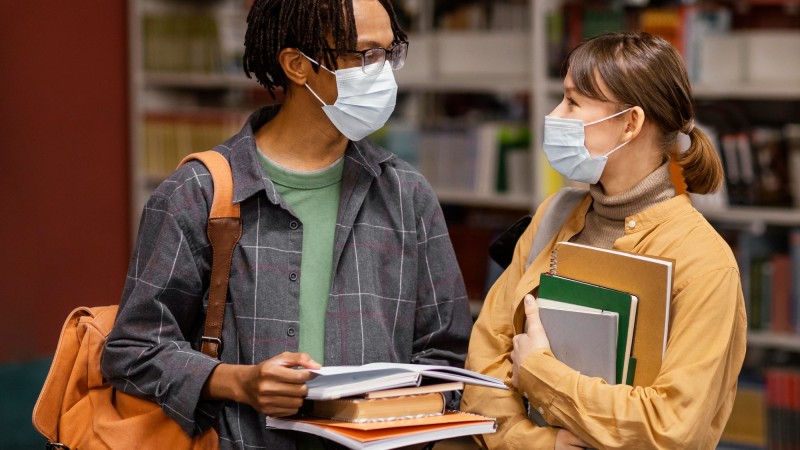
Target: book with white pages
(334, 382)
(389, 434)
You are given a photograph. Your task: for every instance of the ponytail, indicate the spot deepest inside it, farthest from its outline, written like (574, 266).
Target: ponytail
(702, 168)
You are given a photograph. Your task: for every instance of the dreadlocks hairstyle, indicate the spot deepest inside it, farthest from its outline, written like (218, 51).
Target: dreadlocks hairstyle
(273, 25)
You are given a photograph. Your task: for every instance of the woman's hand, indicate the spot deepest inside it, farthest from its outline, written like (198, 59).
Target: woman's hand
(568, 441)
(275, 387)
(534, 338)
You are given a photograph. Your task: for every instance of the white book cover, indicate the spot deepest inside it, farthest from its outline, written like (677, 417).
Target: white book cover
(334, 382)
(581, 337)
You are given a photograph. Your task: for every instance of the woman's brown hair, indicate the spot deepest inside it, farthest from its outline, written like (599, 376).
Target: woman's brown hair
(643, 70)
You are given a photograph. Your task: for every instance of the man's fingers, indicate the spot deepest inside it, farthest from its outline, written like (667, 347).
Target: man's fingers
(532, 321)
(290, 359)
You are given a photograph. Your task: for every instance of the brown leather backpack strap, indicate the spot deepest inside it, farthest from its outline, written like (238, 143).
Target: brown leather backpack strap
(224, 232)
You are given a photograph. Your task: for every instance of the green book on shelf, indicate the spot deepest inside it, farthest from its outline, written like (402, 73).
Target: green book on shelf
(566, 290)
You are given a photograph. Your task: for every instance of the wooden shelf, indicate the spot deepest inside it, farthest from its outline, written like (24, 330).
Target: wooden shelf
(467, 198)
(754, 215)
(199, 81)
(747, 91)
(477, 84)
(773, 340)
(722, 91)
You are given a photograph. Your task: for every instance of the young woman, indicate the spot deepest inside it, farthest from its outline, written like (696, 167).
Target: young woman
(626, 98)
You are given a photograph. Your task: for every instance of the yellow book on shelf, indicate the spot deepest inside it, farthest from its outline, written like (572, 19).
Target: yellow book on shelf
(386, 408)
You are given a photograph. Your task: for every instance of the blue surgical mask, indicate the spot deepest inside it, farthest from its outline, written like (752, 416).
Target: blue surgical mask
(565, 147)
(364, 102)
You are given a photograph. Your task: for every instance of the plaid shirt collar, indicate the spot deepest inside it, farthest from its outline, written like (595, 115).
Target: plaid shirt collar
(250, 177)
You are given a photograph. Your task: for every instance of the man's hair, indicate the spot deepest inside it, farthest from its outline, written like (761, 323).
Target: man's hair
(273, 25)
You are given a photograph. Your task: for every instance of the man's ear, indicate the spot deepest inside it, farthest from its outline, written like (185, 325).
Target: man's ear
(634, 122)
(295, 65)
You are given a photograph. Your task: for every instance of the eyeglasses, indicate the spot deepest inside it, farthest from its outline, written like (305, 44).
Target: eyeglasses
(373, 59)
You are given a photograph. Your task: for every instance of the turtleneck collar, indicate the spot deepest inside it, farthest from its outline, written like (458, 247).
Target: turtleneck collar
(605, 219)
(654, 189)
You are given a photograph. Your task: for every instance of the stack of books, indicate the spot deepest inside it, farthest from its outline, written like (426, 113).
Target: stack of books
(387, 405)
(606, 312)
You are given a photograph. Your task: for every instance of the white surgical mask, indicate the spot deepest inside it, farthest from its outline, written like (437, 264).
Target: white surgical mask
(565, 147)
(364, 103)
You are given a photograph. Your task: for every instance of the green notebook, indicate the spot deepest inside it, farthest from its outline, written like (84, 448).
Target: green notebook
(561, 289)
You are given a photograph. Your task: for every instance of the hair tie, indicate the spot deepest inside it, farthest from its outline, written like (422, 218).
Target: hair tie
(689, 127)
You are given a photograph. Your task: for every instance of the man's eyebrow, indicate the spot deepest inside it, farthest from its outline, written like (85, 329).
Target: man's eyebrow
(367, 44)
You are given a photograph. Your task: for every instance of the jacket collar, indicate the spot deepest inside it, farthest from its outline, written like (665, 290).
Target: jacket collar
(250, 177)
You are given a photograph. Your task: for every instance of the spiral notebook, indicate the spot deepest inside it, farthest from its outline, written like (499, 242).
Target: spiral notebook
(649, 278)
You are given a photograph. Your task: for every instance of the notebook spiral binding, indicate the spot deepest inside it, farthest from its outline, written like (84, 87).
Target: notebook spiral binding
(553, 262)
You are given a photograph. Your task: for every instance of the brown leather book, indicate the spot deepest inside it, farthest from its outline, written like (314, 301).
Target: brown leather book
(375, 409)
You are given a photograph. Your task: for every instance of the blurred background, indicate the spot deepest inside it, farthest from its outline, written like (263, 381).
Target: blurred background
(100, 99)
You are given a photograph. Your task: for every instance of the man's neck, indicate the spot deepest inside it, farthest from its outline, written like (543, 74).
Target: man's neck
(301, 140)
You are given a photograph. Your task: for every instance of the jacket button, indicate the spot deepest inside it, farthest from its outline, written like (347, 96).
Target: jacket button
(293, 225)
(290, 331)
(293, 276)
(632, 224)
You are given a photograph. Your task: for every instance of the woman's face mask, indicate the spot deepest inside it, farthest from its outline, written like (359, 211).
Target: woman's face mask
(565, 148)
(364, 103)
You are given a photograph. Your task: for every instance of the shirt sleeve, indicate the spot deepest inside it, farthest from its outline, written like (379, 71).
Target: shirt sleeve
(442, 322)
(149, 352)
(489, 353)
(677, 410)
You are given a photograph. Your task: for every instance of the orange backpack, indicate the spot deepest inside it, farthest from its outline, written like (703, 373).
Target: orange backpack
(78, 409)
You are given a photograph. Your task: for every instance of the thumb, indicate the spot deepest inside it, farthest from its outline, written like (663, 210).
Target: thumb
(532, 320)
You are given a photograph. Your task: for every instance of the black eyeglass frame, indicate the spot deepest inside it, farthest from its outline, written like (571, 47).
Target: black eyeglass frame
(388, 54)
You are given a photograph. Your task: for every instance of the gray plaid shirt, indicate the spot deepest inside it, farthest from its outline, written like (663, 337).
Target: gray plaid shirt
(396, 295)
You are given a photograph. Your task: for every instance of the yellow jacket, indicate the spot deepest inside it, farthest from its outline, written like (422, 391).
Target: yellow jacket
(689, 403)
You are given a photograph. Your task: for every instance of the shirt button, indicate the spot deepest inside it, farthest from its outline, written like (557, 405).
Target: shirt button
(632, 224)
(293, 225)
(290, 331)
(293, 276)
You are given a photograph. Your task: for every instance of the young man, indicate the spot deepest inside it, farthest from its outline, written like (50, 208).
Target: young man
(344, 256)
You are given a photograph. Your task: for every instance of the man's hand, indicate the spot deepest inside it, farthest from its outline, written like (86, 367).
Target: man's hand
(275, 387)
(534, 338)
(568, 441)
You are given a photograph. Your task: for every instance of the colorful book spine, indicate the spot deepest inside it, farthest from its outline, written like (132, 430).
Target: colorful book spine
(783, 408)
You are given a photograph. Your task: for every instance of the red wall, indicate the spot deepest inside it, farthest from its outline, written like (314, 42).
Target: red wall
(64, 232)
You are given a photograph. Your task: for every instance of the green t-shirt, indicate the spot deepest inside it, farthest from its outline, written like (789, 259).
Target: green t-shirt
(314, 199)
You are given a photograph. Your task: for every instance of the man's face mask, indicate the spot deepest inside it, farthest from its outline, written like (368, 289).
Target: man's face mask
(364, 103)
(564, 145)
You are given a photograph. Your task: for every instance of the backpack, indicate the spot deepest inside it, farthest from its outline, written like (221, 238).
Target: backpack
(78, 409)
(560, 207)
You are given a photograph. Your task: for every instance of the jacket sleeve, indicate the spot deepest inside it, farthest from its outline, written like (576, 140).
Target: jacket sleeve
(442, 322)
(490, 347)
(149, 352)
(666, 415)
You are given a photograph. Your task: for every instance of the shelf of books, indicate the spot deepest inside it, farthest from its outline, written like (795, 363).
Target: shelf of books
(188, 92)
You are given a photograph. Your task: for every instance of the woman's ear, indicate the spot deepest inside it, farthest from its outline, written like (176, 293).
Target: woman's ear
(295, 65)
(634, 122)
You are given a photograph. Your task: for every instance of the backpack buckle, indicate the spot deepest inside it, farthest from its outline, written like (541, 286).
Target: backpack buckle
(213, 340)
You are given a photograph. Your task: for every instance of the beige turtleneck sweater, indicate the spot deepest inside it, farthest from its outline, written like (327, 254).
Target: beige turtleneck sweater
(605, 221)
